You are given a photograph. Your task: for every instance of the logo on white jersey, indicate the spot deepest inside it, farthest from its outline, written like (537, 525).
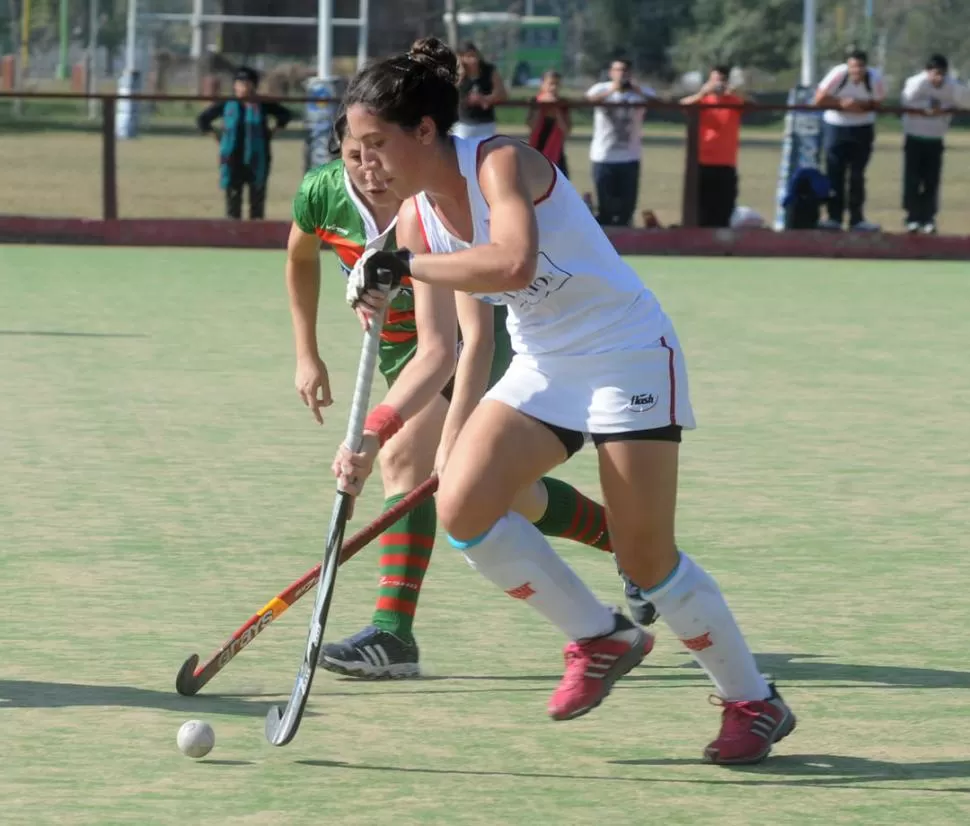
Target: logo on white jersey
(642, 402)
(548, 280)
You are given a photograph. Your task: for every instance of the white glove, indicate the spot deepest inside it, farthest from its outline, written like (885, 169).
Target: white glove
(378, 271)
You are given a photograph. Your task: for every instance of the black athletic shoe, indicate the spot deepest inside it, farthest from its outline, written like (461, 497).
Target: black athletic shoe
(641, 608)
(372, 654)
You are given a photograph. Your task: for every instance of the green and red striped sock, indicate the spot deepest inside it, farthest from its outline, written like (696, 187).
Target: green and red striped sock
(571, 515)
(405, 554)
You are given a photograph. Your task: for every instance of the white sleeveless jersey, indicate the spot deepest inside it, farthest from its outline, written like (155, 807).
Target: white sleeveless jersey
(584, 300)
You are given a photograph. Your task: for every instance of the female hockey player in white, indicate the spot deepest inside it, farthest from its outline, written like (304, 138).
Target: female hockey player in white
(595, 354)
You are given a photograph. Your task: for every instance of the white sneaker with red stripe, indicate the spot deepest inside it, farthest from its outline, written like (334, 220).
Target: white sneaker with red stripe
(592, 666)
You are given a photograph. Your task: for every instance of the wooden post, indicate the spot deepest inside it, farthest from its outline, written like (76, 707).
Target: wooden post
(689, 208)
(109, 160)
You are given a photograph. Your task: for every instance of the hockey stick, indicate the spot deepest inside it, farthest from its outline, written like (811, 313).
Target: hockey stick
(281, 724)
(192, 676)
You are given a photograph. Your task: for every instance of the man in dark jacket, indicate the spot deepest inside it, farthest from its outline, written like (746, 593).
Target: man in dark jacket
(244, 143)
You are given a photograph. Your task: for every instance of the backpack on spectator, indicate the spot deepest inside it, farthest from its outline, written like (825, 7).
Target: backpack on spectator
(808, 190)
(845, 80)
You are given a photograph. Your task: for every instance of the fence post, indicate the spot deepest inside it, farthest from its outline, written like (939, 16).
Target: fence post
(689, 212)
(109, 160)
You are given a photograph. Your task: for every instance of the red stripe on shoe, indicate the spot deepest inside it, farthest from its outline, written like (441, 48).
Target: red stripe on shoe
(404, 561)
(407, 540)
(673, 379)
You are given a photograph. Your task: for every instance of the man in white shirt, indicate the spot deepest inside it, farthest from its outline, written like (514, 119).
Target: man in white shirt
(935, 94)
(616, 146)
(855, 90)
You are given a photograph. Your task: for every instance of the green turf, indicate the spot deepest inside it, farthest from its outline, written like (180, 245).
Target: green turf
(160, 481)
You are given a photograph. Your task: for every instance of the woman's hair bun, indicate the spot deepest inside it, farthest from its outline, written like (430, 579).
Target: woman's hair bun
(435, 55)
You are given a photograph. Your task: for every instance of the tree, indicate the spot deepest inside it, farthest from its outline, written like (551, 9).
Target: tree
(761, 34)
(642, 30)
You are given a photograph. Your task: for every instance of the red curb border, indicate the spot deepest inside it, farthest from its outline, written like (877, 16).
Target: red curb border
(746, 243)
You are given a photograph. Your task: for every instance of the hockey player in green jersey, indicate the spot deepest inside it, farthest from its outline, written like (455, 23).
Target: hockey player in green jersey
(341, 204)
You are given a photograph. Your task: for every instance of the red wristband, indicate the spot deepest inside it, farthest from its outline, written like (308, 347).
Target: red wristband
(384, 421)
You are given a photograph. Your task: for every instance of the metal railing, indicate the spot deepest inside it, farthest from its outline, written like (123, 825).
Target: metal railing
(690, 113)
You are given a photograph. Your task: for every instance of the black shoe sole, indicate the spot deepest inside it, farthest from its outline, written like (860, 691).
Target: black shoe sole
(361, 673)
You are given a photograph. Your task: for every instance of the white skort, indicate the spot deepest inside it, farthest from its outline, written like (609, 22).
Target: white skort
(615, 392)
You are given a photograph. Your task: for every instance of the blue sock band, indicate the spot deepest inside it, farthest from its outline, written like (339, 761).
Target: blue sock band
(465, 544)
(647, 592)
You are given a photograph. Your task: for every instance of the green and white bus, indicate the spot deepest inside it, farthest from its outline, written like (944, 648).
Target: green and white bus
(522, 46)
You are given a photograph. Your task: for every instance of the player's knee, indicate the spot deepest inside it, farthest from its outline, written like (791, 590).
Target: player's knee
(462, 514)
(450, 504)
(401, 466)
(648, 556)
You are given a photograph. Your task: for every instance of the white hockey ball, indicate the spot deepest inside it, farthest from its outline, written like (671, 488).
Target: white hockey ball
(196, 739)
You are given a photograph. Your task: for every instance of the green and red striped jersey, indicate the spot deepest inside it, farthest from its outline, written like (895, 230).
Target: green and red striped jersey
(327, 205)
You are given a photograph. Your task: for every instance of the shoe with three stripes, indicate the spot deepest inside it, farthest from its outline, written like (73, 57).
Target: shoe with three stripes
(749, 729)
(593, 665)
(372, 654)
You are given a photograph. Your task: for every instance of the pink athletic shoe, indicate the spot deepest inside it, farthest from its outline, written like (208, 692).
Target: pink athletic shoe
(749, 729)
(592, 666)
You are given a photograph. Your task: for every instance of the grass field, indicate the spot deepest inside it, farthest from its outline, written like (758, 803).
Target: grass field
(160, 481)
(59, 173)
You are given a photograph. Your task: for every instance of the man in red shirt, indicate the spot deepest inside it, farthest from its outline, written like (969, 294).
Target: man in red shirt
(720, 134)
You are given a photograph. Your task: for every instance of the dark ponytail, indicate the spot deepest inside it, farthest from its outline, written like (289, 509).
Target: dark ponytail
(406, 88)
(338, 133)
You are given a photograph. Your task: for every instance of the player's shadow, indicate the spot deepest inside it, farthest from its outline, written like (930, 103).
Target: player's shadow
(800, 770)
(786, 668)
(829, 770)
(812, 668)
(70, 334)
(210, 762)
(35, 694)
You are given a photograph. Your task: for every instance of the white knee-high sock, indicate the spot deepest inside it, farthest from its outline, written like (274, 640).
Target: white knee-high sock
(517, 558)
(692, 606)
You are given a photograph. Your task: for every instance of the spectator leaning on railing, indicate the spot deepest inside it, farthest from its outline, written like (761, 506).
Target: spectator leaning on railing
(720, 136)
(856, 90)
(935, 93)
(550, 122)
(616, 146)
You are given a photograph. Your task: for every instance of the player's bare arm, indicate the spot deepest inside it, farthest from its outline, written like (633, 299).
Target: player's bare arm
(303, 286)
(508, 261)
(476, 320)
